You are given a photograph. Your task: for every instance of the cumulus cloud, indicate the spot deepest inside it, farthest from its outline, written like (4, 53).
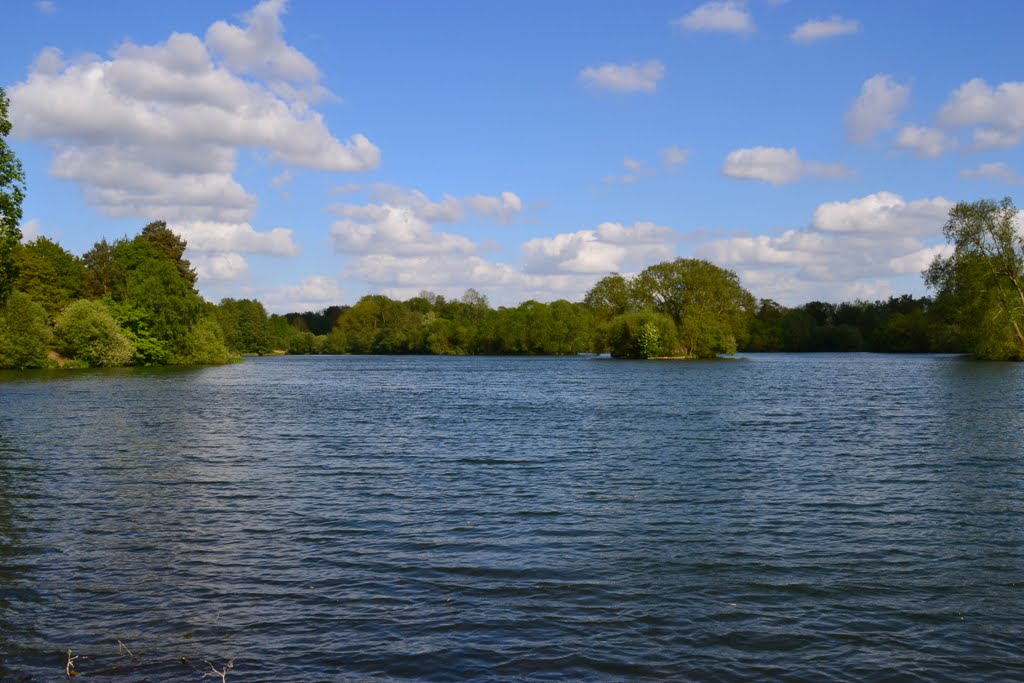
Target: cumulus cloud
(394, 246)
(624, 78)
(997, 170)
(996, 114)
(220, 267)
(313, 293)
(561, 266)
(208, 236)
(724, 16)
(154, 131)
(924, 142)
(259, 48)
(883, 212)
(919, 260)
(504, 207)
(850, 249)
(448, 210)
(390, 229)
(874, 110)
(821, 29)
(777, 166)
(610, 247)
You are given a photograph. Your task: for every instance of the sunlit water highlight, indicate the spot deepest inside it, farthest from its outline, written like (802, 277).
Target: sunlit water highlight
(805, 517)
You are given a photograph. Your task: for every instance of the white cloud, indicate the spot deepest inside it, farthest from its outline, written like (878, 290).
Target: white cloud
(998, 170)
(996, 113)
(561, 266)
(820, 29)
(851, 249)
(389, 229)
(916, 262)
(504, 207)
(46, 7)
(611, 247)
(314, 293)
(726, 16)
(126, 180)
(776, 165)
(404, 277)
(208, 236)
(924, 142)
(624, 78)
(674, 156)
(448, 210)
(220, 267)
(875, 109)
(154, 131)
(883, 212)
(259, 49)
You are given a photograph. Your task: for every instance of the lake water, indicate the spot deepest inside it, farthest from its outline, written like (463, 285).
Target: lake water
(790, 517)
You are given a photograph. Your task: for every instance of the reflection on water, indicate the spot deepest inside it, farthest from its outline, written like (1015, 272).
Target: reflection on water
(806, 516)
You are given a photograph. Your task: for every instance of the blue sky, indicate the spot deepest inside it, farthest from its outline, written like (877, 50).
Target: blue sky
(314, 152)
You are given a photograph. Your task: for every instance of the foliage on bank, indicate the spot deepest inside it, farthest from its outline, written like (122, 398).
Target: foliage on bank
(133, 302)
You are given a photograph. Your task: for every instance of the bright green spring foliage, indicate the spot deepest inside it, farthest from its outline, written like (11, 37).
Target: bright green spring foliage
(51, 275)
(708, 309)
(12, 194)
(24, 333)
(980, 286)
(88, 332)
(641, 334)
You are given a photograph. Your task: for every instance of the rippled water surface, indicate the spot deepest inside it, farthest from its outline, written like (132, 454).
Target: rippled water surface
(805, 517)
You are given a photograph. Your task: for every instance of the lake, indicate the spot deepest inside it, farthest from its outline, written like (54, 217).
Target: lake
(791, 517)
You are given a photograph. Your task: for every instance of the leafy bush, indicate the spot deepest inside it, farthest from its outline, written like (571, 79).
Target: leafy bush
(87, 331)
(203, 345)
(641, 335)
(25, 334)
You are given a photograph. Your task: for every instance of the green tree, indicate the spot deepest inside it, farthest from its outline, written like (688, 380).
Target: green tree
(88, 332)
(641, 334)
(170, 245)
(24, 333)
(12, 194)
(100, 270)
(203, 344)
(149, 349)
(51, 275)
(709, 307)
(981, 284)
(246, 325)
(153, 284)
(610, 296)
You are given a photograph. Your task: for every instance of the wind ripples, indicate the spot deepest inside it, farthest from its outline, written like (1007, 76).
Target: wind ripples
(847, 517)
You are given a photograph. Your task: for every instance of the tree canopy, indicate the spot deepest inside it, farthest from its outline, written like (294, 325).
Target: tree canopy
(981, 284)
(708, 309)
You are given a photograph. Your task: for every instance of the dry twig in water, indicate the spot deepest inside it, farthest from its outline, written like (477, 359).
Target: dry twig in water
(223, 674)
(122, 648)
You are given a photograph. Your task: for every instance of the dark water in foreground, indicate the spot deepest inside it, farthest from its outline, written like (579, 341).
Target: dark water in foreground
(803, 517)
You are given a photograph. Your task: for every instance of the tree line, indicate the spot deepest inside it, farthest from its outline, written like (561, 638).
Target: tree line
(134, 302)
